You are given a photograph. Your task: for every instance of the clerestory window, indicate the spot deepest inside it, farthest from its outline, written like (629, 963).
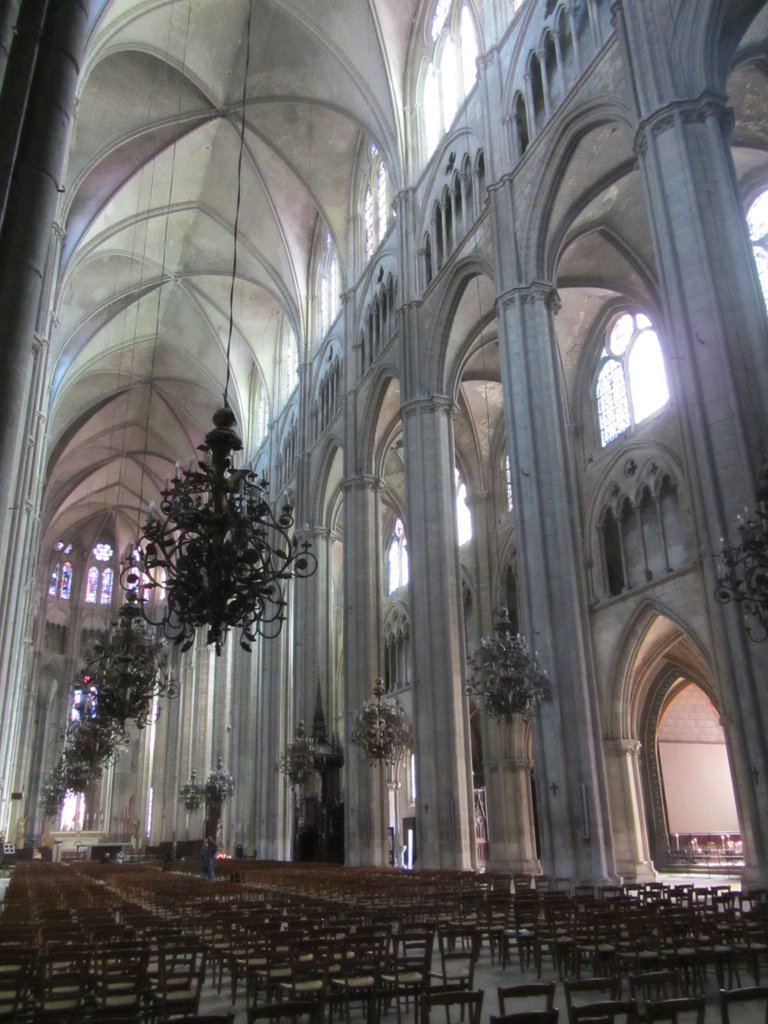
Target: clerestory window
(631, 379)
(452, 69)
(376, 202)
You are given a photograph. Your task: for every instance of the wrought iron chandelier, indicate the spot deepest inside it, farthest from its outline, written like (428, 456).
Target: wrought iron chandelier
(219, 786)
(192, 793)
(382, 729)
(744, 568)
(297, 762)
(218, 553)
(505, 676)
(127, 669)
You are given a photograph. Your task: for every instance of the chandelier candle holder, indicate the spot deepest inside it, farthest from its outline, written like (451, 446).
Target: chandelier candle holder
(744, 568)
(504, 675)
(192, 793)
(297, 762)
(381, 730)
(218, 554)
(219, 786)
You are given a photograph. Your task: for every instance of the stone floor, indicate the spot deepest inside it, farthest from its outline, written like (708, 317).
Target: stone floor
(490, 976)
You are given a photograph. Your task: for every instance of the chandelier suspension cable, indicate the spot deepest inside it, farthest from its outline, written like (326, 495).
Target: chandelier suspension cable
(238, 199)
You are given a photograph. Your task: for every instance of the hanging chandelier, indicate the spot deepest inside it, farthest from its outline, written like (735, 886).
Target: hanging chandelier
(127, 668)
(219, 786)
(218, 554)
(504, 675)
(381, 730)
(192, 793)
(297, 762)
(743, 575)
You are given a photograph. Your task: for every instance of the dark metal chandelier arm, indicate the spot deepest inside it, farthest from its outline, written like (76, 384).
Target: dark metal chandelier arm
(744, 572)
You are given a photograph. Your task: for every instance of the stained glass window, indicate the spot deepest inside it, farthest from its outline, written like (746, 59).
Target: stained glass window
(107, 578)
(368, 215)
(631, 381)
(65, 583)
(91, 585)
(329, 286)
(102, 552)
(53, 583)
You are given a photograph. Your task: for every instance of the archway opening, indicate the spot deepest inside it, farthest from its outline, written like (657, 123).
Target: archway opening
(702, 824)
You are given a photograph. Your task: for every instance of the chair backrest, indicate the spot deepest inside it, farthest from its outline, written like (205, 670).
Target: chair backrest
(590, 990)
(550, 1016)
(290, 1010)
(612, 1011)
(468, 1006)
(687, 1010)
(757, 998)
(655, 985)
(512, 996)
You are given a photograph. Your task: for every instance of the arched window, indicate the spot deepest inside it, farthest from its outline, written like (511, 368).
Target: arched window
(65, 583)
(757, 222)
(463, 515)
(375, 202)
(631, 380)
(91, 585)
(397, 559)
(328, 285)
(107, 579)
(452, 70)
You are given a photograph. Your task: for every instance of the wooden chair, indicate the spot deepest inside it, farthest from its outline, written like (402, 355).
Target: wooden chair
(459, 950)
(687, 1010)
(590, 990)
(407, 973)
(453, 1006)
(523, 996)
(182, 968)
(755, 998)
(360, 959)
(654, 985)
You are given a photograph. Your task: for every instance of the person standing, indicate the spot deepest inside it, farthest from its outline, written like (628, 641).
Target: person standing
(208, 858)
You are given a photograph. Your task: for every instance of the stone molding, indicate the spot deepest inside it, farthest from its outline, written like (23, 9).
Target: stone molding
(431, 405)
(537, 291)
(364, 482)
(690, 111)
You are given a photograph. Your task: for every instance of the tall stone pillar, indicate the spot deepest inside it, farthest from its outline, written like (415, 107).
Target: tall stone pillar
(366, 821)
(28, 225)
(716, 343)
(511, 832)
(444, 821)
(630, 844)
(568, 762)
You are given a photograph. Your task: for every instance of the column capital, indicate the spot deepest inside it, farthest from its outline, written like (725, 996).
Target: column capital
(364, 482)
(431, 405)
(537, 291)
(623, 748)
(688, 111)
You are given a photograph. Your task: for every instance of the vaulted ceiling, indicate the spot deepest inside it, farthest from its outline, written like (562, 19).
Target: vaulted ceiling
(143, 302)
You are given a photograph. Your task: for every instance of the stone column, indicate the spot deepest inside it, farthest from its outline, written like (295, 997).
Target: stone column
(567, 753)
(511, 833)
(445, 821)
(365, 785)
(628, 820)
(716, 343)
(27, 229)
